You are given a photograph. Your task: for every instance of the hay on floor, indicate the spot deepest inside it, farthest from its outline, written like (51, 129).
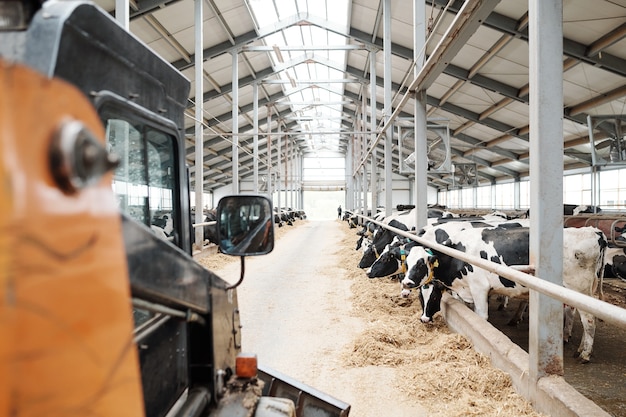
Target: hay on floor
(438, 368)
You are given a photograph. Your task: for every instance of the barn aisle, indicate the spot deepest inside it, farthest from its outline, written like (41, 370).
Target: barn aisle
(296, 316)
(308, 311)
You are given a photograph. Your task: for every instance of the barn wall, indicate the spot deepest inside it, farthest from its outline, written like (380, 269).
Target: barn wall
(403, 192)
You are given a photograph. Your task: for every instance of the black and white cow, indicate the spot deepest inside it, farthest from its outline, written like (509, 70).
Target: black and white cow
(404, 220)
(367, 231)
(615, 260)
(433, 272)
(209, 232)
(393, 260)
(390, 261)
(163, 225)
(615, 263)
(381, 238)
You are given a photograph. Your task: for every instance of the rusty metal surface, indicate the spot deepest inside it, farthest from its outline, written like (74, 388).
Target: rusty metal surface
(606, 223)
(309, 401)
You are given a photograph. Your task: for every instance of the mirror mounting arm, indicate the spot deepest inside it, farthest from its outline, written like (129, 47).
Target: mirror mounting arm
(243, 269)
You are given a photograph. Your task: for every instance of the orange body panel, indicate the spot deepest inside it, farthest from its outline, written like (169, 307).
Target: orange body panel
(66, 329)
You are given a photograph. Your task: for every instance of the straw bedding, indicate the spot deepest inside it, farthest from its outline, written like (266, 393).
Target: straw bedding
(434, 367)
(438, 368)
(216, 261)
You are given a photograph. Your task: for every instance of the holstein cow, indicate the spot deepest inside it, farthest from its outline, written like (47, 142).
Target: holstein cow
(393, 260)
(209, 232)
(615, 263)
(390, 261)
(382, 237)
(433, 272)
(367, 231)
(162, 225)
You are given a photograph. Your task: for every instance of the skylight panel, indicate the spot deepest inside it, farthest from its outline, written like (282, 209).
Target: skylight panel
(333, 73)
(307, 95)
(302, 72)
(337, 57)
(293, 35)
(275, 39)
(337, 12)
(317, 8)
(311, 96)
(285, 8)
(264, 12)
(319, 36)
(306, 35)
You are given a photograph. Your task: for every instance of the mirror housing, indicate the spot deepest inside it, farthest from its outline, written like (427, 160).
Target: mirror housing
(245, 225)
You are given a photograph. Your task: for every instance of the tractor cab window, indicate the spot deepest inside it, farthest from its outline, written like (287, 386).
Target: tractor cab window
(144, 182)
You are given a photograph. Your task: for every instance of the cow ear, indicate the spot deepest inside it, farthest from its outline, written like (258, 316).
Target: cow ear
(434, 261)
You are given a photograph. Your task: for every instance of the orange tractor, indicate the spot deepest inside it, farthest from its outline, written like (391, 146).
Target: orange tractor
(99, 316)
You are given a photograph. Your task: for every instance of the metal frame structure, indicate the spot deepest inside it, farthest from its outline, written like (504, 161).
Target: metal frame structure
(483, 133)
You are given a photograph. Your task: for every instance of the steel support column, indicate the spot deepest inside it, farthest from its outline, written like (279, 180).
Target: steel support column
(364, 145)
(255, 140)
(546, 179)
(279, 186)
(122, 13)
(372, 139)
(387, 108)
(199, 128)
(421, 160)
(235, 96)
(295, 176)
(349, 194)
(300, 175)
(289, 174)
(270, 190)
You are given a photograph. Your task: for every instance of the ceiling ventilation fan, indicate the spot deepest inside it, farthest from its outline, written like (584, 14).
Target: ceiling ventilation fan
(606, 137)
(437, 149)
(464, 175)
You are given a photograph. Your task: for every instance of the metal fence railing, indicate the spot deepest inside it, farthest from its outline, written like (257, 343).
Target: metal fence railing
(601, 309)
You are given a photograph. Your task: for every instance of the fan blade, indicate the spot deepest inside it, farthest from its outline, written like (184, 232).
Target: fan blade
(604, 143)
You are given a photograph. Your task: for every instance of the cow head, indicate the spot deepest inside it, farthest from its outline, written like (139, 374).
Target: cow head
(388, 263)
(430, 299)
(422, 271)
(422, 276)
(619, 267)
(369, 256)
(359, 243)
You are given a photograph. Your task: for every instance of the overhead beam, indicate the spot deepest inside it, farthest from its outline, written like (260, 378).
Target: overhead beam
(571, 48)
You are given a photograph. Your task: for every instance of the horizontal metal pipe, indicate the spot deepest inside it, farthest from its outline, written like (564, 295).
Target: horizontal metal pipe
(204, 224)
(158, 308)
(301, 133)
(601, 309)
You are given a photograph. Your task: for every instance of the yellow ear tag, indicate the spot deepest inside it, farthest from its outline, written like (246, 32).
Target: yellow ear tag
(436, 263)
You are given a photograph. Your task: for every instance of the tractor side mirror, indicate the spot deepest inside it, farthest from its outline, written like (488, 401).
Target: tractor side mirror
(245, 225)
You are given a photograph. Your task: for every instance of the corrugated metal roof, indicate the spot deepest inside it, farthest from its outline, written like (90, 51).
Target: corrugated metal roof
(316, 95)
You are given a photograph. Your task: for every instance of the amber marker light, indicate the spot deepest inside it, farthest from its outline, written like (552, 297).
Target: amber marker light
(246, 365)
